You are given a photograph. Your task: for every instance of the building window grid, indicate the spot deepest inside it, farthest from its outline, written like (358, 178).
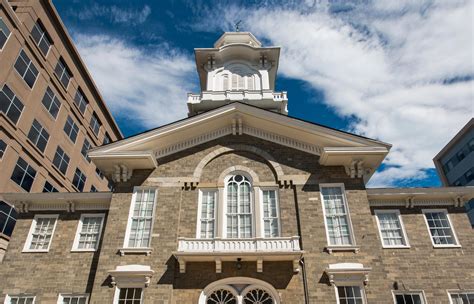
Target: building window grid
(19, 299)
(73, 299)
(391, 228)
(10, 104)
(207, 218)
(41, 38)
(130, 296)
(38, 135)
(350, 295)
(23, 174)
(336, 216)
(79, 180)
(409, 298)
(271, 222)
(4, 33)
(239, 209)
(141, 219)
(49, 188)
(441, 231)
(80, 101)
(71, 129)
(8, 216)
(61, 160)
(88, 232)
(95, 124)
(3, 148)
(42, 233)
(26, 69)
(62, 72)
(461, 297)
(454, 160)
(51, 102)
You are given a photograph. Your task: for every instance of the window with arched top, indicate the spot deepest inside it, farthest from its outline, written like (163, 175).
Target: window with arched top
(239, 207)
(237, 77)
(239, 290)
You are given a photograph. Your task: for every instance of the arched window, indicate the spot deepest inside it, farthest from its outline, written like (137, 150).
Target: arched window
(239, 290)
(239, 207)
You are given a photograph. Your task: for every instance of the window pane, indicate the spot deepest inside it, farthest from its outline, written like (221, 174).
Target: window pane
(336, 216)
(440, 228)
(10, 104)
(239, 207)
(141, 218)
(23, 174)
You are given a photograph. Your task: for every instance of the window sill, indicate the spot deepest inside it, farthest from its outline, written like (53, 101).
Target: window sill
(35, 251)
(146, 251)
(331, 249)
(83, 250)
(396, 247)
(446, 246)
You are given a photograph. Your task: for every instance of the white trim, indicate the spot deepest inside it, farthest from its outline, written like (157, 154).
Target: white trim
(61, 296)
(456, 245)
(349, 221)
(199, 210)
(27, 245)
(79, 229)
(117, 294)
(408, 292)
(402, 226)
(457, 291)
(129, 222)
(9, 297)
(362, 292)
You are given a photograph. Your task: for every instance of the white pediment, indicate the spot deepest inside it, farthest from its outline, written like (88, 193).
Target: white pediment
(333, 147)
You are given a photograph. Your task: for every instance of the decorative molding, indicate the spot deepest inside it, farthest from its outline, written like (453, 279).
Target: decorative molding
(348, 274)
(126, 251)
(331, 249)
(222, 176)
(129, 276)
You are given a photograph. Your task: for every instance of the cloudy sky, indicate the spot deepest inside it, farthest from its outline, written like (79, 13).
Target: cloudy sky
(398, 71)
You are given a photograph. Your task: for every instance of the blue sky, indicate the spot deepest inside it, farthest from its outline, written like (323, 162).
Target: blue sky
(397, 71)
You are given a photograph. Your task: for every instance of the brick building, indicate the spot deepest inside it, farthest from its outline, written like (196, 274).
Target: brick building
(51, 112)
(240, 203)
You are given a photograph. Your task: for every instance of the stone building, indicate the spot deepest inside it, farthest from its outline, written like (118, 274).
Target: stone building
(240, 203)
(51, 112)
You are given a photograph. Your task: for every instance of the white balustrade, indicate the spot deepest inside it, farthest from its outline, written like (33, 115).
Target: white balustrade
(236, 95)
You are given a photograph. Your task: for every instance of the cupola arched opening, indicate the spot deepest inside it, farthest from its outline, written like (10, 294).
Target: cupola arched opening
(237, 76)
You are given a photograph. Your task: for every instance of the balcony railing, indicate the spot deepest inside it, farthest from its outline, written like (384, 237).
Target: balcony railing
(237, 95)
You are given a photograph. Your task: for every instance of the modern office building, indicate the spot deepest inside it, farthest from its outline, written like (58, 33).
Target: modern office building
(241, 203)
(51, 112)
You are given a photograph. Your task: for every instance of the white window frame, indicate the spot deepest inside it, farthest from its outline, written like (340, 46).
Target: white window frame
(66, 295)
(252, 206)
(408, 292)
(130, 213)
(457, 291)
(362, 292)
(8, 298)
(75, 246)
(456, 245)
(199, 210)
(117, 294)
(349, 220)
(27, 245)
(262, 219)
(402, 226)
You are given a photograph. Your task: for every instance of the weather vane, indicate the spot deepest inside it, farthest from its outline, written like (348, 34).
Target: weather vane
(237, 25)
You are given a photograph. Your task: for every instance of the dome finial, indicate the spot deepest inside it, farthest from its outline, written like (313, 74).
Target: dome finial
(237, 25)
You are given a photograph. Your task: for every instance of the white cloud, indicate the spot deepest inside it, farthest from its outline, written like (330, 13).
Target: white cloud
(148, 86)
(113, 13)
(391, 64)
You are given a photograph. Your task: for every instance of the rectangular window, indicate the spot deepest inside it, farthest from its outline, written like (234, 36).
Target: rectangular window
(41, 37)
(61, 160)
(73, 299)
(461, 297)
(140, 219)
(107, 139)
(409, 298)
(80, 101)
(86, 147)
(99, 173)
(41, 233)
(440, 228)
(49, 188)
(350, 295)
(10, 104)
(93, 188)
(62, 72)
(71, 129)
(88, 232)
(4, 33)
(271, 222)
(128, 296)
(336, 216)
(38, 135)
(95, 124)
(79, 180)
(391, 228)
(51, 102)
(20, 299)
(27, 70)
(8, 216)
(3, 147)
(207, 214)
(23, 174)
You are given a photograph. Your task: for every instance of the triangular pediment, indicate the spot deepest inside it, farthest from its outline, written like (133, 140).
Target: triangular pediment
(334, 147)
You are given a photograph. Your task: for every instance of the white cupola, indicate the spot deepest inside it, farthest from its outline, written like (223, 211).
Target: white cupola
(238, 68)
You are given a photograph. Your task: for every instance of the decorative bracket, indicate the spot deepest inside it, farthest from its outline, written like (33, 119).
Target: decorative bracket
(122, 173)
